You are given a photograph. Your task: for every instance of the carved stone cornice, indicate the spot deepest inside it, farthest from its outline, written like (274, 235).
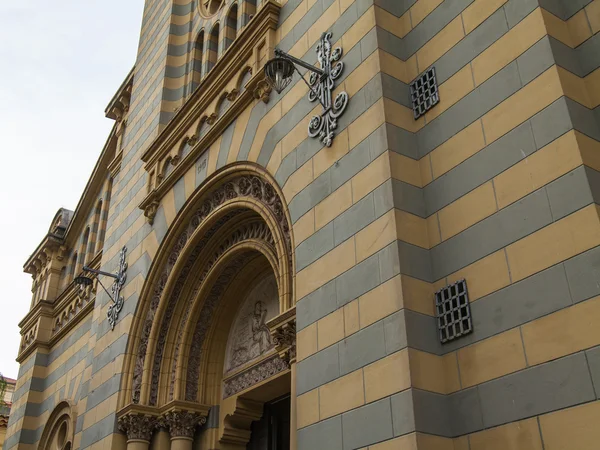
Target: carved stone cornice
(50, 248)
(119, 104)
(283, 332)
(48, 321)
(255, 38)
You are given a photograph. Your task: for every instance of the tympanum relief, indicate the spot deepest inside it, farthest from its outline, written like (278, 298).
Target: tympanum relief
(249, 338)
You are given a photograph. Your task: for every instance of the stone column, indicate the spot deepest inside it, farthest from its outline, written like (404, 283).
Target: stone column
(284, 337)
(293, 423)
(138, 428)
(160, 440)
(182, 427)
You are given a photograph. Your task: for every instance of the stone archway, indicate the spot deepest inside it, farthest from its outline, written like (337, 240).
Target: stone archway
(59, 430)
(231, 235)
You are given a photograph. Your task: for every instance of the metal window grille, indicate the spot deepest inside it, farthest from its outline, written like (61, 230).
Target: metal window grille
(424, 93)
(453, 311)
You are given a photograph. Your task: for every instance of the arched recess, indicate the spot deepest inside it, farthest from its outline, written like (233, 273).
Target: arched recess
(234, 233)
(231, 26)
(59, 431)
(198, 58)
(212, 47)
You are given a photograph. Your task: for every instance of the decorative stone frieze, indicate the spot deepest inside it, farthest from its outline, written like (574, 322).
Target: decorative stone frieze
(262, 371)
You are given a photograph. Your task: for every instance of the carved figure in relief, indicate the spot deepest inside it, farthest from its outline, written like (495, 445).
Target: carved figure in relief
(250, 337)
(260, 331)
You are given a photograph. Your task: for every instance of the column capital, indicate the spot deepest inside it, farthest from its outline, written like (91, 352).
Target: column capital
(182, 424)
(283, 332)
(137, 426)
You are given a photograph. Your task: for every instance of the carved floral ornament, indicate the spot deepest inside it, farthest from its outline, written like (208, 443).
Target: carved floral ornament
(264, 370)
(139, 426)
(233, 190)
(283, 332)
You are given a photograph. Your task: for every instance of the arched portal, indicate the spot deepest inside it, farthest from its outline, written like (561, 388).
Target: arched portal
(59, 429)
(215, 326)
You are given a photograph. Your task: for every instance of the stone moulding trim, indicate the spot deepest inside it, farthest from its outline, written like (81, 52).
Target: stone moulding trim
(257, 35)
(265, 369)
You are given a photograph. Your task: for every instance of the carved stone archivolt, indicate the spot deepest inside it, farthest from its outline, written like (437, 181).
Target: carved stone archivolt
(234, 190)
(203, 324)
(174, 298)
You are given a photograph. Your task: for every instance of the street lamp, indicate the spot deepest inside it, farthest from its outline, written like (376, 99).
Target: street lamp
(119, 280)
(321, 84)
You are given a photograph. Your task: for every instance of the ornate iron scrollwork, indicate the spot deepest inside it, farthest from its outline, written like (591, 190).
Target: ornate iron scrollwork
(117, 306)
(323, 86)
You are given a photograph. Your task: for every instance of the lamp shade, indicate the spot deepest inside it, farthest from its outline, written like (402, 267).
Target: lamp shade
(278, 73)
(83, 281)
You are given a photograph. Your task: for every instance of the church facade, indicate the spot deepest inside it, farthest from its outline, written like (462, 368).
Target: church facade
(401, 251)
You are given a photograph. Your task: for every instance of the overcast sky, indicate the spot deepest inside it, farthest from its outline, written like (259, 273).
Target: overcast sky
(61, 61)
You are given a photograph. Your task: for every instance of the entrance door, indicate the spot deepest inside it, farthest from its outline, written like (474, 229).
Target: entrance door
(272, 431)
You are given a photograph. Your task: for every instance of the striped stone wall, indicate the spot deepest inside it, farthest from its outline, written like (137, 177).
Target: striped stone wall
(497, 184)
(47, 378)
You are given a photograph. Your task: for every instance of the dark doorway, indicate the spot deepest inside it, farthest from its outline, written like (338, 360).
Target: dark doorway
(272, 431)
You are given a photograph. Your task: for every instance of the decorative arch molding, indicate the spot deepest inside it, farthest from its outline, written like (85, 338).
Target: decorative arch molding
(59, 431)
(237, 215)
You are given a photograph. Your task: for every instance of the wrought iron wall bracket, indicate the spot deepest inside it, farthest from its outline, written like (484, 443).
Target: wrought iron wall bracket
(321, 85)
(119, 281)
(324, 125)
